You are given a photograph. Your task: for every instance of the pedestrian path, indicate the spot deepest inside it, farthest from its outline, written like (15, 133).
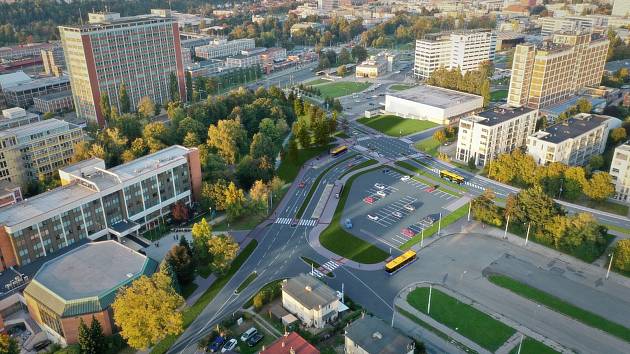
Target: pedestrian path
(300, 222)
(327, 267)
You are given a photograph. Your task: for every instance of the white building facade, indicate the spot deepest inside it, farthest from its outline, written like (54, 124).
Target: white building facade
(310, 300)
(620, 172)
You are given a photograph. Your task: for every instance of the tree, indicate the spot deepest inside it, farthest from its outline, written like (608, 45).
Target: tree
(533, 205)
(484, 209)
(223, 249)
(180, 212)
(341, 70)
(583, 105)
(189, 86)
(228, 137)
(156, 136)
(86, 343)
(359, 53)
(146, 107)
(182, 264)
(599, 186)
(191, 140)
(173, 87)
(621, 255)
(617, 135)
(471, 163)
(234, 201)
(292, 150)
(344, 57)
(123, 99)
(8, 345)
(148, 310)
(261, 146)
(201, 234)
(440, 136)
(213, 195)
(259, 195)
(167, 269)
(98, 337)
(301, 132)
(106, 107)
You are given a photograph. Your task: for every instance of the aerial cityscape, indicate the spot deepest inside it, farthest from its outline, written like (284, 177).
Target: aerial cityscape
(315, 176)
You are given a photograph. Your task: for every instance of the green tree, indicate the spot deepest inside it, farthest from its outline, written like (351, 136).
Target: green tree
(201, 234)
(359, 53)
(485, 210)
(173, 87)
(8, 345)
(617, 135)
(106, 107)
(533, 205)
(471, 163)
(292, 150)
(182, 264)
(234, 201)
(599, 186)
(189, 87)
(302, 133)
(261, 146)
(123, 99)
(146, 107)
(148, 310)
(228, 137)
(98, 337)
(223, 250)
(621, 255)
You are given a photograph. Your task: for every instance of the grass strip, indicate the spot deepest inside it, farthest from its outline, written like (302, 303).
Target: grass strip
(250, 278)
(316, 184)
(363, 164)
(337, 240)
(432, 176)
(396, 126)
(191, 313)
(429, 145)
(532, 346)
(429, 231)
(561, 306)
(622, 229)
(422, 180)
(473, 324)
(436, 331)
(288, 170)
(316, 265)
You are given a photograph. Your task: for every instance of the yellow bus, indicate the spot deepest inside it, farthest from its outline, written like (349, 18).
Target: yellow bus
(397, 263)
(453, 177)
(338, 150)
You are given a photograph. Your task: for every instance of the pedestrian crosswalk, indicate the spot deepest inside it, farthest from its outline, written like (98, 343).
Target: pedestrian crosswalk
(473, 185)
(327, 267)
(299, 222)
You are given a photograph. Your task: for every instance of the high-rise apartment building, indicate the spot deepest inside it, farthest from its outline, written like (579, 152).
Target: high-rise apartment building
(39, 148)
(140, 51)
(621, 8)
(554, 71)
(573, 141)
(53, 61)
(486, 135)
(620, 172)
(464, 50)
(97, 203)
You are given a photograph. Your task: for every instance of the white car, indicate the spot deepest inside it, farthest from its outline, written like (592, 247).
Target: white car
(397, 214)
(379, 186)
(372, 217)
(405, 178)
(410, 207)
(230, 345)
(381, 194)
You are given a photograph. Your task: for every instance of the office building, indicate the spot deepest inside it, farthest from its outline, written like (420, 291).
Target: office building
(310, 300)
(10, 193)
(54, 102)
(463, 49)
(35, 149)
(16, 117)
(620, 172)
(435, 104)
(140, 51)
(327, 5)
(22, 94)
(24, 50)
(82, 284)
(247, 58)
(555, 70)
(290, 343)
(621, 8)
(221, 48)
(573, 141)
(551, 25)
(375, 66)
(97, 203)
(370, 335)
(485, 135)
(7, 80)
(53, 60)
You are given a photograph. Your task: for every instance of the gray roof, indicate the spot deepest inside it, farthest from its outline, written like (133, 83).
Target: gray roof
(502, 114)
(572, 127)
(435, 96)
(376, 337)
(87, 278)
(309, 292)
(12, 79)
(54, 95)
(38, 83)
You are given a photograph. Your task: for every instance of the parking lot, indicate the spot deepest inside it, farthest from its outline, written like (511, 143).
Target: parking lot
(384, 209)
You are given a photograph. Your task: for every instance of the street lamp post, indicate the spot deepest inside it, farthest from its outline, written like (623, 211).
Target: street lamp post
(469, 209)
(609, 264)
(429, 302)
(440, 224)
(422, 237)
(520, 344)
(527, 236)
(507, 223)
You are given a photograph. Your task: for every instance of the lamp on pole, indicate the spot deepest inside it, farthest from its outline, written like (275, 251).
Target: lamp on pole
(422, 237)
(507, 223)
(440, 224)
(527, 236)
(429, 302)
(469, 209)
(520, 344)
(609, 264)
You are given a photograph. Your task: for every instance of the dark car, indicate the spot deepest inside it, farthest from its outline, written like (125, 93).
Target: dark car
(216, 344)
(255, 339)
(41, 345)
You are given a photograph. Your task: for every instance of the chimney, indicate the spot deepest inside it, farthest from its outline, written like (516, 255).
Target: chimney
(377, 335)
(283, 344)
(308, 288)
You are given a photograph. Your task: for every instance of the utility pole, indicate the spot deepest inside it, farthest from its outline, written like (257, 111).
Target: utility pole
(609, 265)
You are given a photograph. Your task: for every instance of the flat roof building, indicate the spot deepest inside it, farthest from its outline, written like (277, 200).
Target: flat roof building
(370, 335)
(83, 283)
(221, 48)
(10, 193)
(573, 141)
(97, 203)
(486, 135)
(432, 103)
(620, 172)
(16, 117)
(22, 94)
(54, 102)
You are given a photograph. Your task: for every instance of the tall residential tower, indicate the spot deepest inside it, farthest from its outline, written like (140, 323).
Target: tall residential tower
(140, 51)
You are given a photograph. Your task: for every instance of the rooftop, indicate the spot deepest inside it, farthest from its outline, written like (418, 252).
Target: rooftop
(308, 291)
(499, 115)
(54, 95)
(571, 128)
(291, 343)
(36, 127)
(38, 83)
(559, 108)
(376, 337)
(435, 96)
(12, 79)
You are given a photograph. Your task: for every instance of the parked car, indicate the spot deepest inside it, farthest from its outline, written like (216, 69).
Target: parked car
(405, 178)
(409, 207)
(41, 345)
(381, 194)
(230, 345)
(408, 232)
(347, 223)
(301, 185)
(255, 339)
(216, 344)
(428, 220)
(372, 217)
(397, 214)
(248, 334)
(385, 170)
(368, 200)
(379, 186)
(431, 189)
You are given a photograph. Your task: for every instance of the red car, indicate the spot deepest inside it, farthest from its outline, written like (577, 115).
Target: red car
(407, 232)
(431, 189)
(368, 200)
(301, 185)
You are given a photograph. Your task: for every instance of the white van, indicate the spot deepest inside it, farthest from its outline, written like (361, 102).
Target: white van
(248, 334)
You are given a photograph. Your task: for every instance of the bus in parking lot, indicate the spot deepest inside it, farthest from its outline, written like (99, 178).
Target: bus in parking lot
(451, 176)
(399, 262)
(338, 150)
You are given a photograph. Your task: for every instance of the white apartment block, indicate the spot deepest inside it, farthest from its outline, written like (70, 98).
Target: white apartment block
(247, 58)
(573, 141)
(310, 300)
(621, 8)
(486, 135)
(620, 172)
(221, 48)
(464, 50)
(552, 25)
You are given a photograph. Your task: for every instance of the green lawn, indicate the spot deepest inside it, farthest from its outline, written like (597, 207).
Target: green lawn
(315, 184)
(561, 306)
(359, 166)
(191, 313)
(396, 126)
(250, 278)
(532, 346)
(336, 239)
(498, 95)
(465, 319)
(605, 205)
(288, 170)
(316, 82)
(400, 87)
(341, 88)
(618, 228)
(446, 221)
(428, 145)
